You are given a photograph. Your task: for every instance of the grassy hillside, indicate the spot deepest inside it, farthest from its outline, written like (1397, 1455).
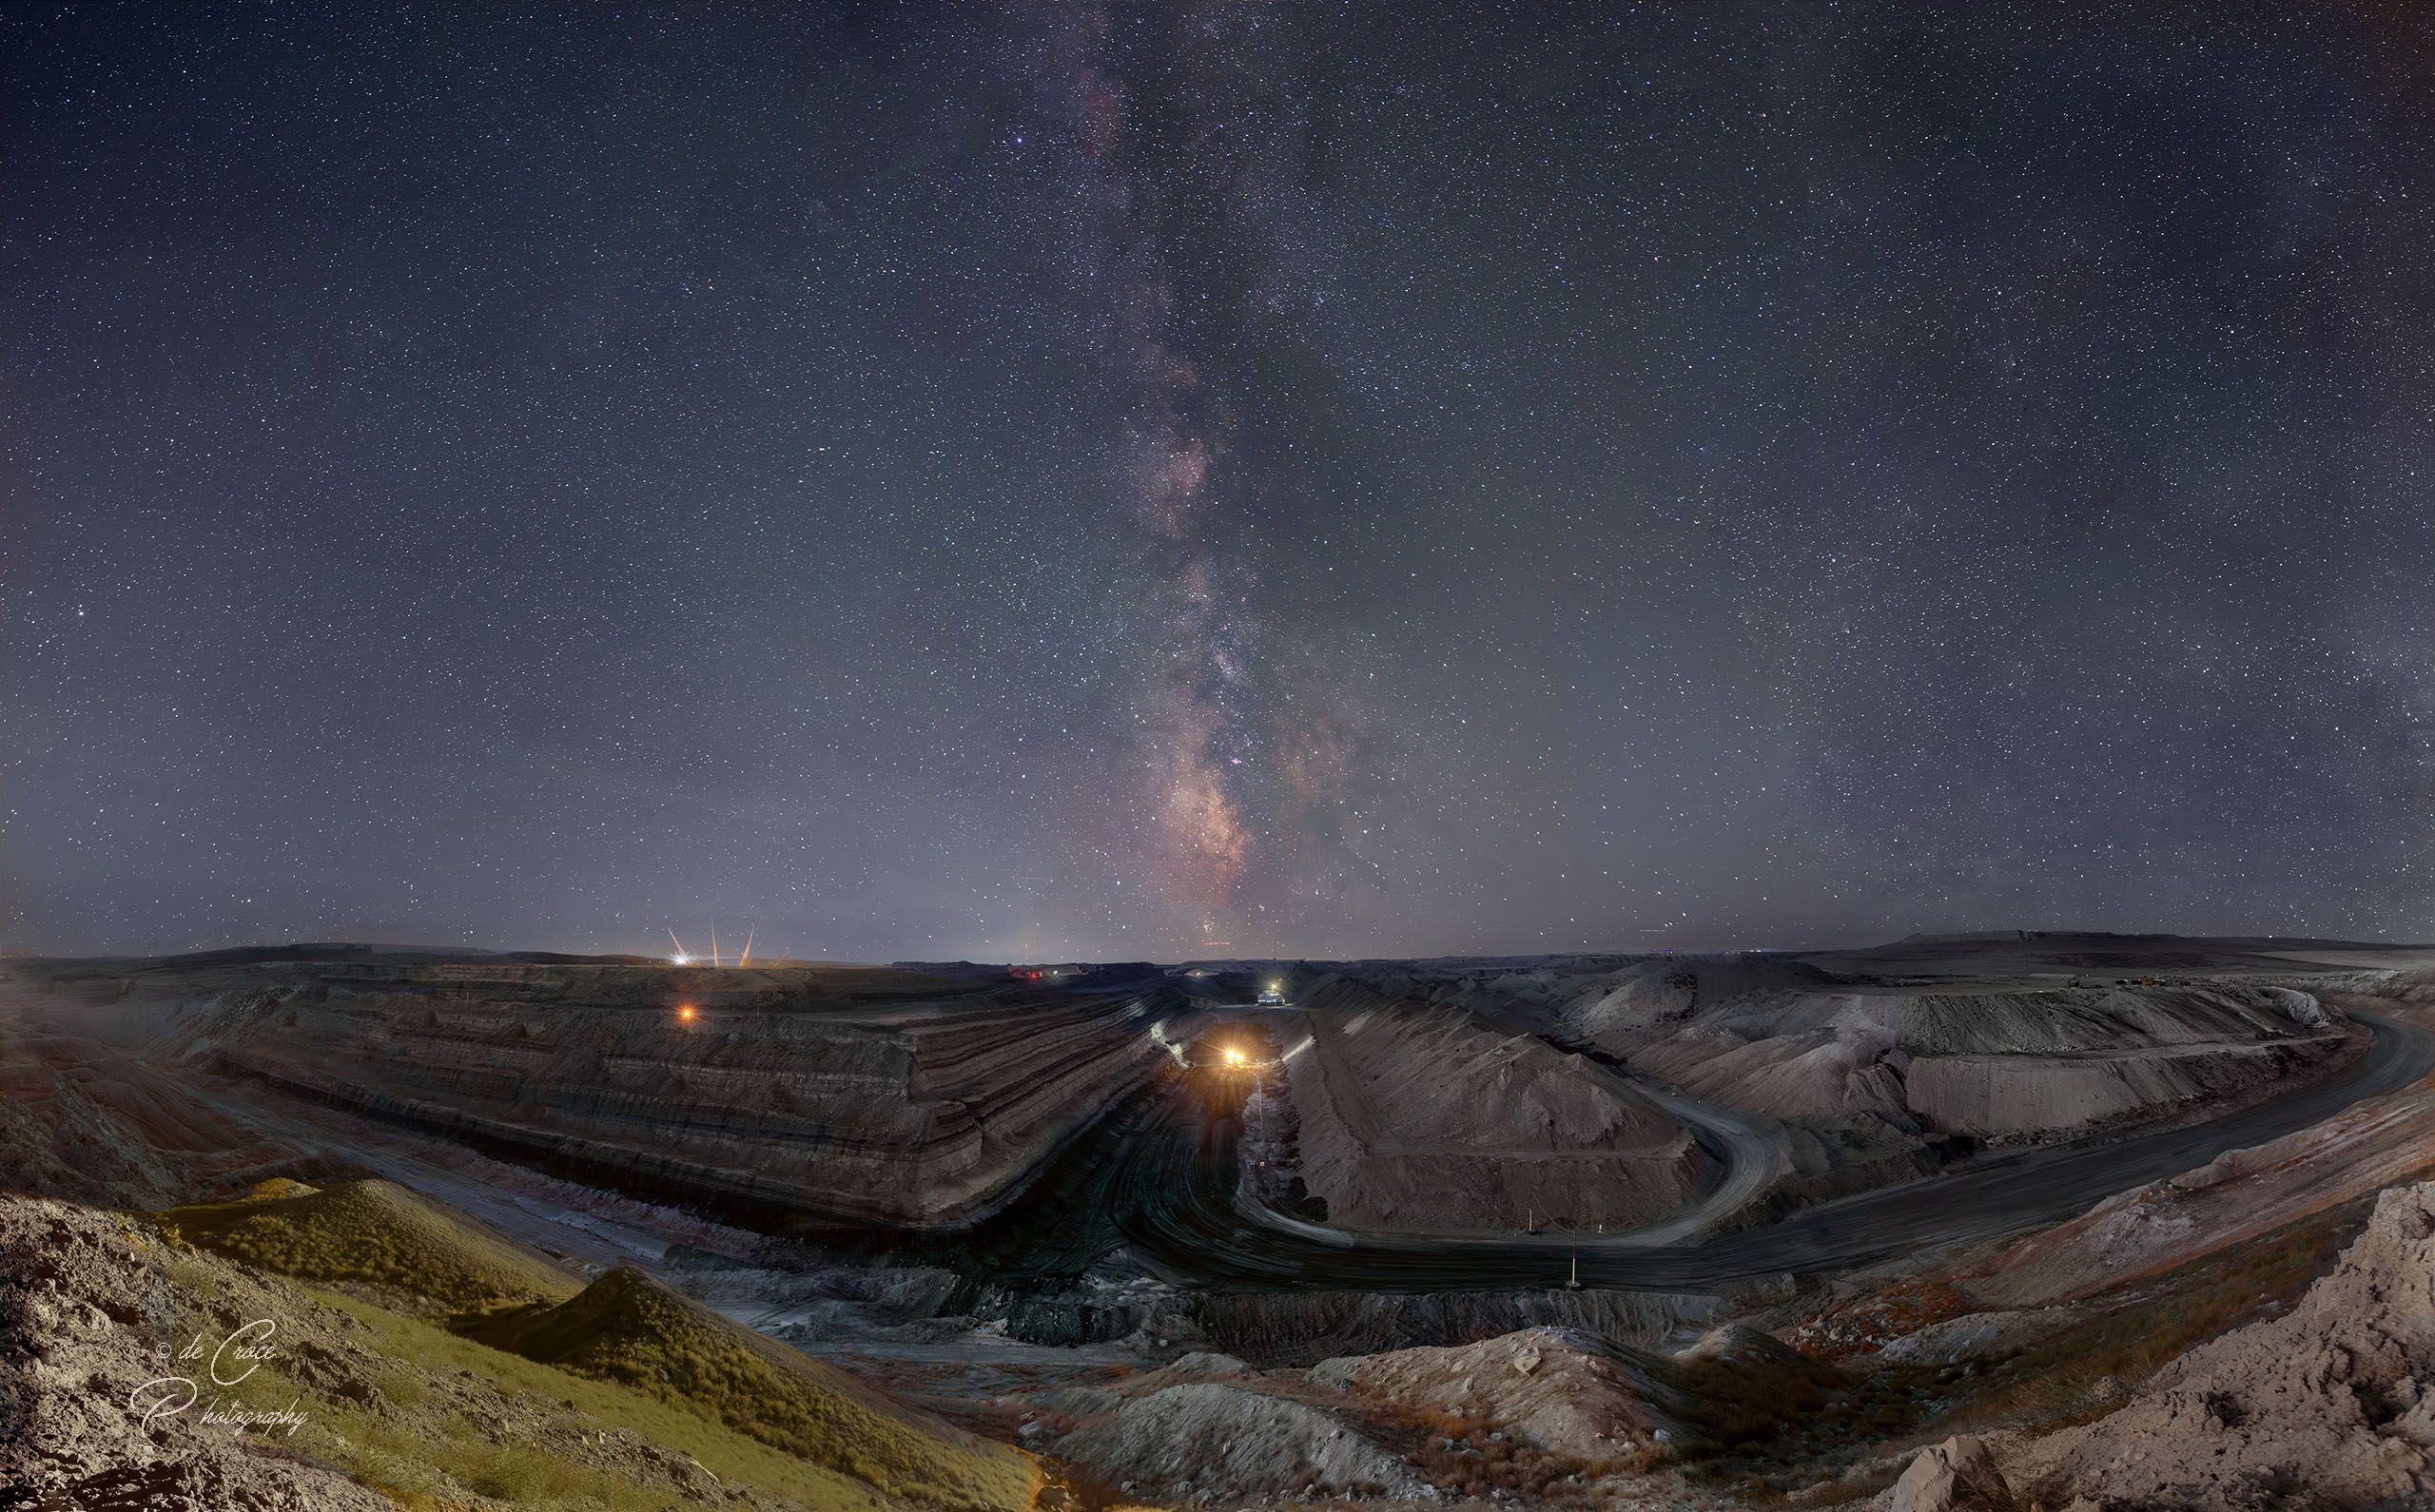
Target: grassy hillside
(631, 1329)
(435, 1421)
(375, 1234)
(465, 1365)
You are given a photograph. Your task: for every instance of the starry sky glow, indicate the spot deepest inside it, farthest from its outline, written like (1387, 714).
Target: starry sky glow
(1064, 479)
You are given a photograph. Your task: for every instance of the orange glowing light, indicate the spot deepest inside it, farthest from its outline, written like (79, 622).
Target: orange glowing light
(1234, 1056)
(687, 1013)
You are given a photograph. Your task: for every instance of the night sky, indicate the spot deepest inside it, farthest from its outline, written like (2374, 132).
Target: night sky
(1056, 480)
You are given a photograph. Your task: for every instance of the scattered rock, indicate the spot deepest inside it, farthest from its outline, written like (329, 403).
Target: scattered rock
(1958, 1475)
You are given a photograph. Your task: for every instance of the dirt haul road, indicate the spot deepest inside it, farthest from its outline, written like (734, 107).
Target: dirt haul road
(1168, 1181)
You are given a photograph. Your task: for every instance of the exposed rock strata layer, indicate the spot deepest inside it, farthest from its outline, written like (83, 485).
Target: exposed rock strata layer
(773, 1092)
(89, 1121)
(2002, 1064)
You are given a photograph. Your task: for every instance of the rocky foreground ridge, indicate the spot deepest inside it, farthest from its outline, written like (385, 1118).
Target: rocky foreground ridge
(2330, 1404)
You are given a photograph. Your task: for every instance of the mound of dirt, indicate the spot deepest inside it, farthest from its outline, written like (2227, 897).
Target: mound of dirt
(1975, 1336)
(376, 1234)
(1553, 1388)
(2336, 1396)
(1205, 1438)
(1201, 1364)
(1423, 1118)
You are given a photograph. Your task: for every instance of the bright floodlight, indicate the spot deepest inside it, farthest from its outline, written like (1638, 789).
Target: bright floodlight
(1234, 1056)
(682, 961)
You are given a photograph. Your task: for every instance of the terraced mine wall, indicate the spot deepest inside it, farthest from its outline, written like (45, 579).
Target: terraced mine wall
(2042, 1064)
(912, 1113)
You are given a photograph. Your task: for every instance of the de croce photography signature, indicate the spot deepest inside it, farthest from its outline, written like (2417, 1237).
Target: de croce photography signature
(218, 1364)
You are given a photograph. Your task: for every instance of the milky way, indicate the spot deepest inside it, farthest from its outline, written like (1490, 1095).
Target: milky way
(1190, 144)
(1196, 613)
(1070, 479)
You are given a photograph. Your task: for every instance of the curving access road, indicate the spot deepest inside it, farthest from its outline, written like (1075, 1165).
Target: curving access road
(1171, 1192)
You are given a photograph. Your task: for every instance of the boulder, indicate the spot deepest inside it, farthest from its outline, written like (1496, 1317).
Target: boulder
(1958, 1475)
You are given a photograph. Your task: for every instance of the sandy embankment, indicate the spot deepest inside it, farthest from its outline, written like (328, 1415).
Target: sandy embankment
(1419, 1120)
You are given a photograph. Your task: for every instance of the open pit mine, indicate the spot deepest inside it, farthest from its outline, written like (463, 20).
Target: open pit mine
(2002, 1222)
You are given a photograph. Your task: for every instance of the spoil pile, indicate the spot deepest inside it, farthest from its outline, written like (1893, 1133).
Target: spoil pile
(1551, 1387)
(1424, 1118)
